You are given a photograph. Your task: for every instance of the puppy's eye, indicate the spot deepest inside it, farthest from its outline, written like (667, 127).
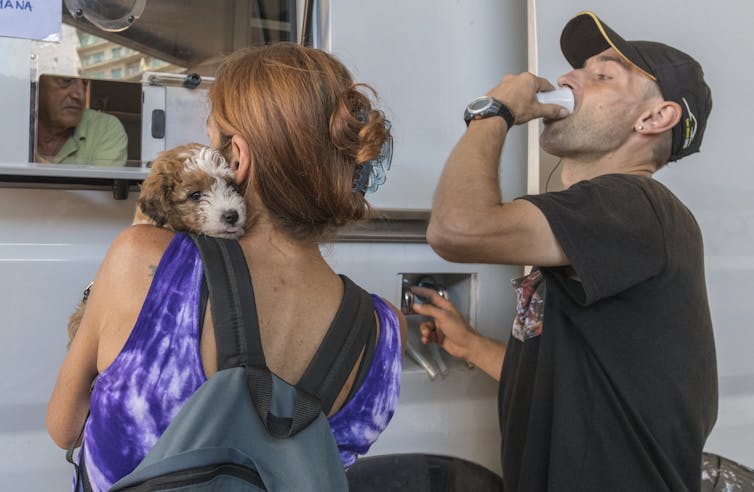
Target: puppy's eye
(195, 196)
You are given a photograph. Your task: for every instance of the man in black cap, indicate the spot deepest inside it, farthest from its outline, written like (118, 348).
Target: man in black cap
(608, 380)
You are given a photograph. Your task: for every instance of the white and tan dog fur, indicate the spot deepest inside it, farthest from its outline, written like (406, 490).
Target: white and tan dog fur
(189, 189)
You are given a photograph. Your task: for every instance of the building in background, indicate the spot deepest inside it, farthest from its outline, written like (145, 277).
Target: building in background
(84, 55)
(103, 59)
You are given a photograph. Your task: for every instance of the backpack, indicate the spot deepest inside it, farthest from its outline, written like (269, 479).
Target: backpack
(245, 429)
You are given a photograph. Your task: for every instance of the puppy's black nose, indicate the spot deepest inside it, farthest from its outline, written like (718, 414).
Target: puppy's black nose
(230, 217)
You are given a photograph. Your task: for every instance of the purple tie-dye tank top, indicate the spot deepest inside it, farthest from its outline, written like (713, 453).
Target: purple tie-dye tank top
(160, 367)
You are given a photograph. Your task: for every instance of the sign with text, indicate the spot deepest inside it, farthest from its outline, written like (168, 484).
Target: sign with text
(31, 19)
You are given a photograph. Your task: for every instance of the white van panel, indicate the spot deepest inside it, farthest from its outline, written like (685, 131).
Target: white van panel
(51, 243)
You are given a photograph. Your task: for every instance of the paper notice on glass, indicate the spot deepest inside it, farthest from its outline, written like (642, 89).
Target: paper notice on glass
(31, 19)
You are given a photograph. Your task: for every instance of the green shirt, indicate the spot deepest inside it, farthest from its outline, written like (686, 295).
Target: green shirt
(99, 140)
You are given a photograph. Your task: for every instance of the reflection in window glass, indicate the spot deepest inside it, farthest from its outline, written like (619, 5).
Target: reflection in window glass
(187, 35)
(122, 63)
(87, 39)
(85, 55)
(172, 36)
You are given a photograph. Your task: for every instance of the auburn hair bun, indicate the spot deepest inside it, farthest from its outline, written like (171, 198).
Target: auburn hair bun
(308, 127)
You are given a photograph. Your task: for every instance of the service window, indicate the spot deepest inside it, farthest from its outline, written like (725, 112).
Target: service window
(129, 79)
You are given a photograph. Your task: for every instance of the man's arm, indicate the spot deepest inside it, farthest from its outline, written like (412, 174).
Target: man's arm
(449, 330)
(470, 222)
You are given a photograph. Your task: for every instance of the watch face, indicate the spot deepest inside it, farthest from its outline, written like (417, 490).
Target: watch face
(480, 104)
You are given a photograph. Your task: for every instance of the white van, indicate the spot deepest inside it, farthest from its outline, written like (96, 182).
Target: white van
(148, 62)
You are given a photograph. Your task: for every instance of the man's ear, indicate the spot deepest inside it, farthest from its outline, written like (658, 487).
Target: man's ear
(241, 162)
(661, 118)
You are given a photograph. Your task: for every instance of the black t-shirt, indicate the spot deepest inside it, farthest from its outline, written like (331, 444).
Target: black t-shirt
(619, 392)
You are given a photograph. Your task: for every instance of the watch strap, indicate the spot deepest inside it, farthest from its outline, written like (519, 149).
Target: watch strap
(501, 109)
(507, 114)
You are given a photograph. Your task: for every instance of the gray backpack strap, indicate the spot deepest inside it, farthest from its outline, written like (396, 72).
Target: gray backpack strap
(350, 332)
(283, 409)
(234, 316)
(234, 311)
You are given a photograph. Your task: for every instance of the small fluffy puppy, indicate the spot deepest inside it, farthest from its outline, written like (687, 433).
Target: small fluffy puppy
(189, 189)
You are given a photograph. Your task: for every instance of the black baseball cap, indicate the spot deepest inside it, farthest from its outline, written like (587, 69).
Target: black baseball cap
(679, 76)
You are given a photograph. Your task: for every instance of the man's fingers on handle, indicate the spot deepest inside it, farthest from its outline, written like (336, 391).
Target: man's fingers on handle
(428, 310)
(427, 327)
(428, 332)
(433, 296)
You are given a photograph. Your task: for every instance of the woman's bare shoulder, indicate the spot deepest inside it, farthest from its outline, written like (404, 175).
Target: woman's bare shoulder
(121, 285)
(140, 242)
(130, 261)
(135, 248)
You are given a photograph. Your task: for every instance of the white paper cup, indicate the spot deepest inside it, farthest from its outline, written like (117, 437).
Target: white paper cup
(562, 96)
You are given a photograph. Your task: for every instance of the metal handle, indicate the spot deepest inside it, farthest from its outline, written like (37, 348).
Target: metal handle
(408, 298)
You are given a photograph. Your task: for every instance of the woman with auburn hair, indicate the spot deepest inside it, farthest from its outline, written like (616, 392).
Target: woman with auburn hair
(305, 144)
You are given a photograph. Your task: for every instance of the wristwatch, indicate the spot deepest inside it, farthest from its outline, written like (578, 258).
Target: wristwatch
(486, 106)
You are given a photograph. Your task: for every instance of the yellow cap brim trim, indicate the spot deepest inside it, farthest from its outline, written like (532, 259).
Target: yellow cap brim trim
(610, 42)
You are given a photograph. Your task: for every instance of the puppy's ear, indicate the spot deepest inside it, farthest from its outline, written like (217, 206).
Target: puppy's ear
(152, 201)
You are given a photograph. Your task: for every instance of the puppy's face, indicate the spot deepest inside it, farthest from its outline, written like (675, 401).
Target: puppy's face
(191, 189)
